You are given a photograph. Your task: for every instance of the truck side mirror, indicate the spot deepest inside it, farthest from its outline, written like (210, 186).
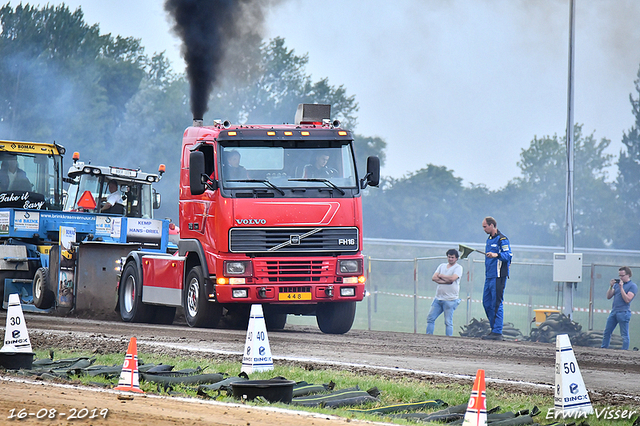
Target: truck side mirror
(156, 200)
(196, 170)
(372, 177)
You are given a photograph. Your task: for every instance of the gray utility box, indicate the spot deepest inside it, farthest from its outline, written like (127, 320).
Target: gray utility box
(567, 267)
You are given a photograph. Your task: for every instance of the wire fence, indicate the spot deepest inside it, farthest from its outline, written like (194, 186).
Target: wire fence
(400, 292)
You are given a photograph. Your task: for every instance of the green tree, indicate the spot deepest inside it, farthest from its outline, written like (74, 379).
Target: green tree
(265, 82)
(429, 204)
(533, 205)
(151, 132)
(61, 79)
(628, 182)
(366, 146)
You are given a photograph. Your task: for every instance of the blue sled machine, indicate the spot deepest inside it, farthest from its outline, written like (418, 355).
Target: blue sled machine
(59, 249)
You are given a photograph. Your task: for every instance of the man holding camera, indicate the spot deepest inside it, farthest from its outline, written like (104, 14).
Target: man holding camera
(623, 291)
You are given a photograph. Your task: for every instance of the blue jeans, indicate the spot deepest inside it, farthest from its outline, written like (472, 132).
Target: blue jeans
(437, 307)
(621, 318)
(492, 302)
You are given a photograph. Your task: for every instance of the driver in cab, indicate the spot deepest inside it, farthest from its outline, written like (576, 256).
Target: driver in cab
(318, 168)
(12, 177)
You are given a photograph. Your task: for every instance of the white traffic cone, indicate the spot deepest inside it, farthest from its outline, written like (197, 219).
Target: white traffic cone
(257, 352)
(16, 352)
(571, 397)
(476, 414)
(129, 380)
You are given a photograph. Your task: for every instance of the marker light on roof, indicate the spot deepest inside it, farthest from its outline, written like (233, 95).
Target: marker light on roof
(288, 133)
(271, 133)
(342, 133)
(304, 133)
(232, 133)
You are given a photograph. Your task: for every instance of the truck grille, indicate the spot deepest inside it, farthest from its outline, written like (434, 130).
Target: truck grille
(271, 271)
(293, 240)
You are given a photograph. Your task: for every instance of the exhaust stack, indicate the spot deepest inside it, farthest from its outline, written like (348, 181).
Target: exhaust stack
(197, 122)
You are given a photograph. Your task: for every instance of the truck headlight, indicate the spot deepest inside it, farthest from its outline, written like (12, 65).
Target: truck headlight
(350, 266)
(239, 293)
(237, 268)
(347, 291)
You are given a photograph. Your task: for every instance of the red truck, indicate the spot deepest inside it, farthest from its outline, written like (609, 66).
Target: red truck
(269, 214)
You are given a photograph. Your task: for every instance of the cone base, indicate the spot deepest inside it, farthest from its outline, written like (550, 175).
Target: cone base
(128, 389)
(17, 360)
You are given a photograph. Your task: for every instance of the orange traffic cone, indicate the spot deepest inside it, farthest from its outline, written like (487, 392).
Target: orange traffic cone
(476, 414)
(129, 376)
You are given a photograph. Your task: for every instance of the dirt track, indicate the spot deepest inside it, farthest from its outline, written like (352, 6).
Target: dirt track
(611, 376)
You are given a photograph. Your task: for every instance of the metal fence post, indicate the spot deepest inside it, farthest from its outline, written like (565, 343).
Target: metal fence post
(469, 289)
(591, 289)
(375, 299)
(415, 295)
(530, 308)
(369, 287)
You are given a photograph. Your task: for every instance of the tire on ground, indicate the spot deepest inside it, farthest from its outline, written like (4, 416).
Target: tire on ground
(198, 311)
(237, 316)
(275, 321)
(163, 315)
(335, 318)
(130, 297)
(43, 295)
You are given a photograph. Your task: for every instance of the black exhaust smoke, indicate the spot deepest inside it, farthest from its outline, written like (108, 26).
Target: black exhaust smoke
(206, 27)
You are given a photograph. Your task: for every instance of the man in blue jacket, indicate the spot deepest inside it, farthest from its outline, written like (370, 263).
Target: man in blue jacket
(498, 258)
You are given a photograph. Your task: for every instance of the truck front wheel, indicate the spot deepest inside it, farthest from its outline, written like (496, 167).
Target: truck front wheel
(43, 296)
(275, 321)
(131, 307)
(198, 311)
(336, 317)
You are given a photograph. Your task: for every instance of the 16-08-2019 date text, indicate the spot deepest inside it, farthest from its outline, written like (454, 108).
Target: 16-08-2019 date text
(52, 413)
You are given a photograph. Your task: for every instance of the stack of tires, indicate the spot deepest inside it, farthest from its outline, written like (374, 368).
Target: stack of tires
(561, 324)
(555, 324)
(481, 328)
(594, 340)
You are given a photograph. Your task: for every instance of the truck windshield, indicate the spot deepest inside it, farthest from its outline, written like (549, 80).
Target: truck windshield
(136, 196)
(34, 180)
(288, 167)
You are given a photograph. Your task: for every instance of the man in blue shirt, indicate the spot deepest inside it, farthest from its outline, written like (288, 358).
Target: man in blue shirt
(498, 258)
(623, 290)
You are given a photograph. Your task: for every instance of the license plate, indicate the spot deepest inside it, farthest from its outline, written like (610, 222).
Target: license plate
(294, 296)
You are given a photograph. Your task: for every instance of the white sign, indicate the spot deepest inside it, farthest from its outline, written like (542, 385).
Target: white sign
(144, 231)
(257, 352)
(26, 221)
(104, 226)
(570, 395)
(16, 337)
(67, 266)
(4, 222)
(116, 227)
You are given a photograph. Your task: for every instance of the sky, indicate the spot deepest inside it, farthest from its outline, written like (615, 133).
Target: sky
(465, 84)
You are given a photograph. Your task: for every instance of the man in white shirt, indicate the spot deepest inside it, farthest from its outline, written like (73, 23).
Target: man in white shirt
(114, 203)
(447, 276)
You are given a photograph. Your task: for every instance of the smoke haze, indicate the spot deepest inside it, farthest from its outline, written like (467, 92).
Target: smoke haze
(207, 29)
